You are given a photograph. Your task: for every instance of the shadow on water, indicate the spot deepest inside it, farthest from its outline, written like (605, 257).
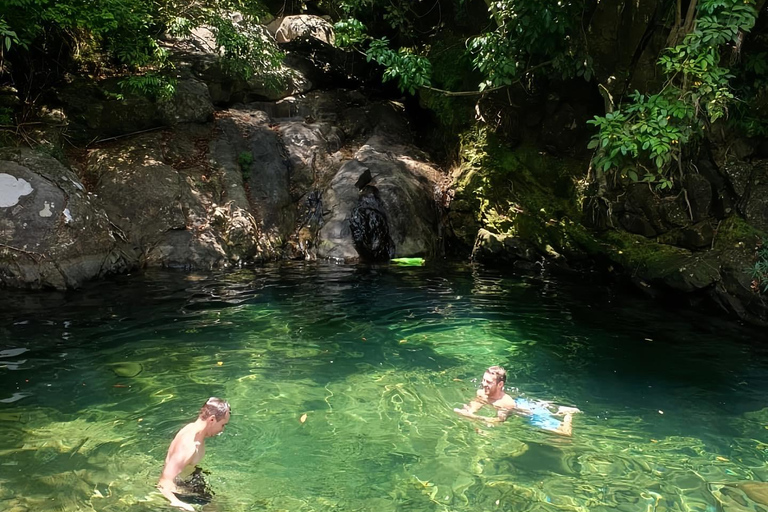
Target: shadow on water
(343, 380)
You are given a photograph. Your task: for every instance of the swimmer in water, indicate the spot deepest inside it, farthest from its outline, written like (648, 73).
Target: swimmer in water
(188, 448)
(539, 412)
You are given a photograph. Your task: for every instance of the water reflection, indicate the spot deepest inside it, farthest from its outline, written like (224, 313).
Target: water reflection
(95, 384)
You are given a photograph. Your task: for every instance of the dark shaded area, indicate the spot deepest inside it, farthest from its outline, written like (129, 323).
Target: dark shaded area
(370, 228)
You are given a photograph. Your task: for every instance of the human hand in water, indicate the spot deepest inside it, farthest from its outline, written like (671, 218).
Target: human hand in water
(464, 411)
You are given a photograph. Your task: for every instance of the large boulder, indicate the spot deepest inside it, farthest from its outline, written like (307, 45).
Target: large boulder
(245, 137)
(387, 182)
(52, 232)
(175, 207)
(191, 103)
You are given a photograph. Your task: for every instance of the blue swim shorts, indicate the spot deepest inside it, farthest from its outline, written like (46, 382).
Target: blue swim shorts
(540, 416)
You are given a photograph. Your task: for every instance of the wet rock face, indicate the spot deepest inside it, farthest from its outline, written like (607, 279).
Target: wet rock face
(52, 233)
(370, 228)
(325, 175)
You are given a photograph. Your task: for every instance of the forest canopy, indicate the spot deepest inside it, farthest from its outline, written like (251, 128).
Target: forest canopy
(710, 68)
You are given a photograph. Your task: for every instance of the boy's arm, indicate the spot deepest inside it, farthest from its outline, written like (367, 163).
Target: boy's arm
(469, 410)
(175, 462)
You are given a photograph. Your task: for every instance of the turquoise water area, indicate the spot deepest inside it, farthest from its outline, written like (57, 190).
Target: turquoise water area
(94, 384)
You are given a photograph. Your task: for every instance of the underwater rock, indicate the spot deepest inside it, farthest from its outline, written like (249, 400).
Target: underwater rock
(127, 369)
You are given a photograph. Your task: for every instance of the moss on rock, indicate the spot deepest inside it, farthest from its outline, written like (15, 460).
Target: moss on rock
(519, 193)
(735, 233)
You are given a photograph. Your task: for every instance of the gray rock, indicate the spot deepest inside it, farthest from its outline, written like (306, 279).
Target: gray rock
(739, 175)
(246, 136)
(699, 193)
(175, 207)
(289, 28)
(643, 212)
(637, 224)
(494, 248)
(695, 237)
(406, 187)
(735, 291)
(754, 201)
(198, 56)
(309, 147)
(52, 232)
(191, 103)
(687, 273)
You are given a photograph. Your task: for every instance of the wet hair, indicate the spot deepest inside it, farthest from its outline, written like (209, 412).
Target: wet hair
(499, 373)
(215, 407)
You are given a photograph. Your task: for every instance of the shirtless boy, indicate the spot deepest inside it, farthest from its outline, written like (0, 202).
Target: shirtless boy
(492, 393)
(188, 447)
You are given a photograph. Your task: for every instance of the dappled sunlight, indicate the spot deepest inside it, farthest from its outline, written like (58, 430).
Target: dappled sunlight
(343, 381)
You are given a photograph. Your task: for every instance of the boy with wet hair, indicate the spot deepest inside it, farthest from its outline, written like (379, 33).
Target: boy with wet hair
(188, 448)
(539, 412)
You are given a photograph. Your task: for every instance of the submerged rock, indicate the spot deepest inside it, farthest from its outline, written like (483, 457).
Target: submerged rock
(127, 369)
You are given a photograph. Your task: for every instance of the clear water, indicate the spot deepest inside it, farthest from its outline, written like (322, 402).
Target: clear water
(94, 384)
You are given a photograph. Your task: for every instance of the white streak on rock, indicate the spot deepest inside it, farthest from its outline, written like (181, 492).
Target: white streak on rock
(67, 216)
(46, 211)
(11, 189)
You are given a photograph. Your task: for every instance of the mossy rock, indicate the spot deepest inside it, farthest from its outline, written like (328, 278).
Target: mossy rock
(520, 193)
(677, 268)
(735, 233)
(127, 369)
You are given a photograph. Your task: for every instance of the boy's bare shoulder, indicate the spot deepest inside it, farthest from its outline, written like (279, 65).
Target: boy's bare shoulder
(505, 402)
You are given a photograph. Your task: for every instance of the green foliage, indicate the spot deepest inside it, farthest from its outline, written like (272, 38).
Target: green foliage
(531, 34)
(8, 37)
(397, 14)
(247, 48)
(644, 139)
(128, 32)
(245, 161)
(760, 269)
(411, 71)
(6, 116)
(528, 35)
(349, 32)
(152, 85)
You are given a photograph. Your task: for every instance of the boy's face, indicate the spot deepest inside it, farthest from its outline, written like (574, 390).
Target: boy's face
(491, 386)
(217, 427)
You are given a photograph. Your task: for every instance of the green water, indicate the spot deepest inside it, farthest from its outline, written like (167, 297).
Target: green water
(94, 384)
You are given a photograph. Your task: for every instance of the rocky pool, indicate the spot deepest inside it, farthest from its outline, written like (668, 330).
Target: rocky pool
(94, 384)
